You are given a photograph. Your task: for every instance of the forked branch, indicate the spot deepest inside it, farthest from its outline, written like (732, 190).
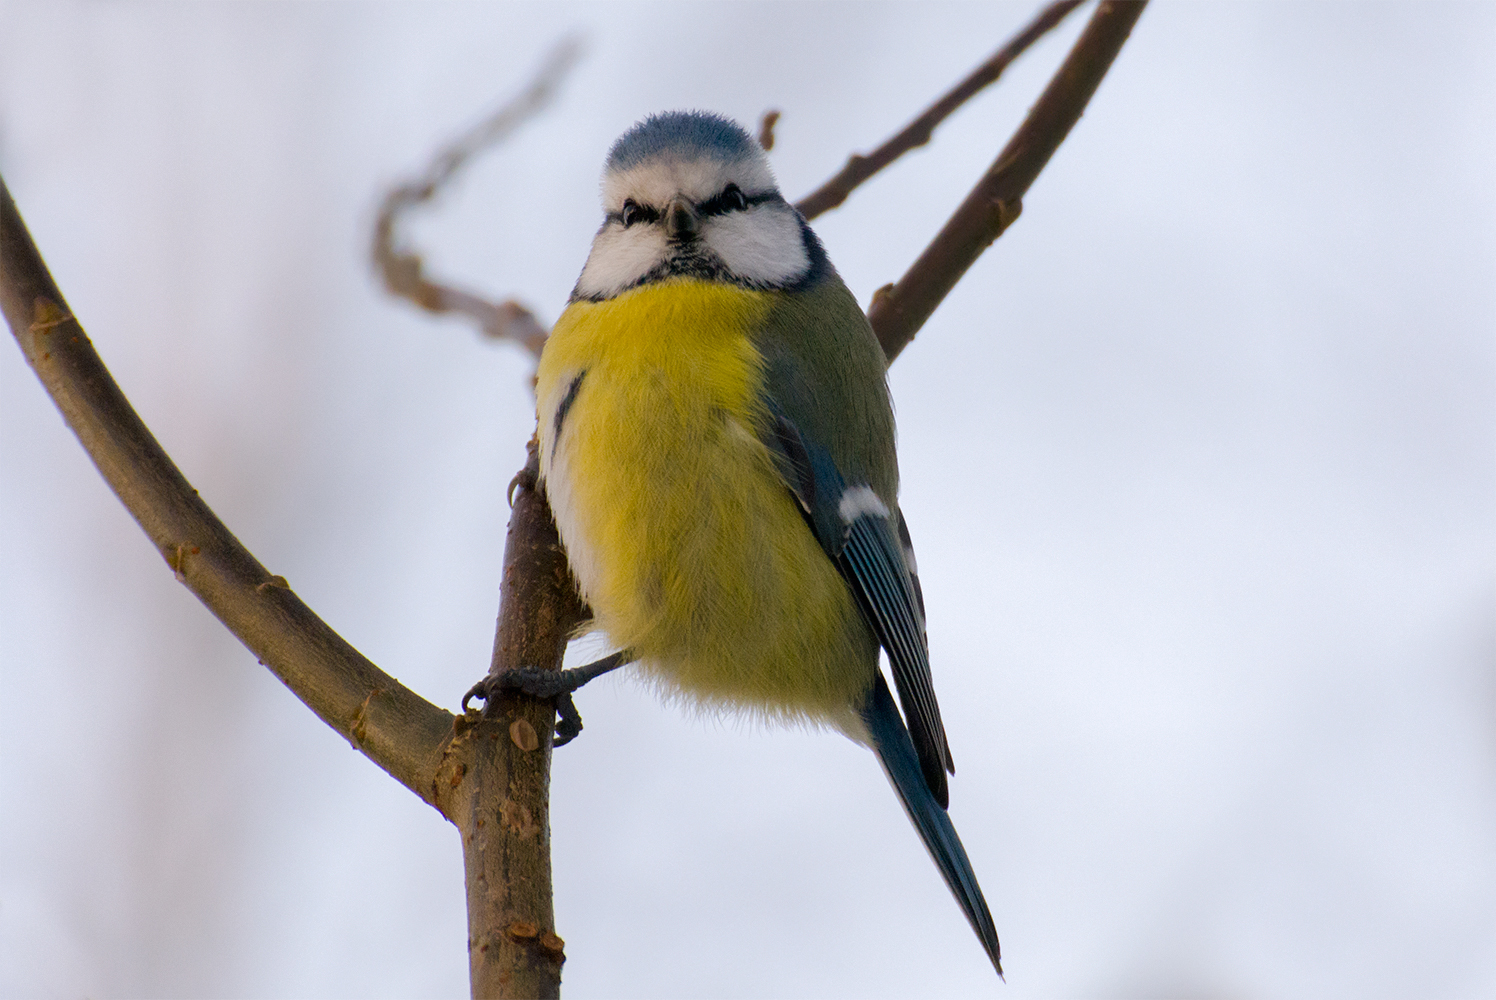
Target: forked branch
(489, 778)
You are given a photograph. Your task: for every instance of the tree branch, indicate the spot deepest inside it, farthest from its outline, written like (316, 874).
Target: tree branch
(404, 272)
(899, 310)
(388, 723)
(513, 947)
(918, 132)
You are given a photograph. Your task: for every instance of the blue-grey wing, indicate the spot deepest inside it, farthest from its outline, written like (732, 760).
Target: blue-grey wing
(869, 543)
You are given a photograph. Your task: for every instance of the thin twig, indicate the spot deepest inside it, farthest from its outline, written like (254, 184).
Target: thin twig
(766, 129)
(390, 724)
(403, 270)
(859, 168)
(899, 310)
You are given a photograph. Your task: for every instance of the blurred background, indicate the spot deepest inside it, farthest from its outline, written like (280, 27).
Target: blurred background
(1200, 460)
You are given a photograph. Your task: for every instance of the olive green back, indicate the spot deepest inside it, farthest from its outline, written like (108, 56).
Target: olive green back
(826, 372)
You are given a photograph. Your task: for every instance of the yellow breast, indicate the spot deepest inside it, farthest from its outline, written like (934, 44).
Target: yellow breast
(684, 540)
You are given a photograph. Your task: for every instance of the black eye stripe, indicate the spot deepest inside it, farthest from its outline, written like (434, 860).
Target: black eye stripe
(733, 198)
(730, 200)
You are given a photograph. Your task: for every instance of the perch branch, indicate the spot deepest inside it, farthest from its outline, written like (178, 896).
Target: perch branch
(404, 271)
(513, 947)
(918, 132)
(899, 310)
(388, 723)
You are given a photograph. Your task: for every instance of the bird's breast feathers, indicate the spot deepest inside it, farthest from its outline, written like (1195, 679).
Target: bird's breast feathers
(684, 539)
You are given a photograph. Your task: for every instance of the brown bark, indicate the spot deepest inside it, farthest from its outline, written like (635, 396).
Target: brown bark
(501, 804)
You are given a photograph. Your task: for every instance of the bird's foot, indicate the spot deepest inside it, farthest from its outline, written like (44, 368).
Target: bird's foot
(546, 685)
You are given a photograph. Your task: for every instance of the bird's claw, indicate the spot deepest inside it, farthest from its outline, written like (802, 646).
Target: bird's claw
(526, 478)
(568, 720)
(521, 481)
(544, 685)
(547, 685)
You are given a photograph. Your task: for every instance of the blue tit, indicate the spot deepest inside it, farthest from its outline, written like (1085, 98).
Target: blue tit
(717, 444)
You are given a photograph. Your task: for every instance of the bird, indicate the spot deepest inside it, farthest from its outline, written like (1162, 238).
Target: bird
(716, 443)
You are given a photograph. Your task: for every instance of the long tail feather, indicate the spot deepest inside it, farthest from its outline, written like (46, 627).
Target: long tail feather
(896, 753)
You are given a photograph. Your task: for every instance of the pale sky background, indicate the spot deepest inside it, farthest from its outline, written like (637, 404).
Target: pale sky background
(1200, 460)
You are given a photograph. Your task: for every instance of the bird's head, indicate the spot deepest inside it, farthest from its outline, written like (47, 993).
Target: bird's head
(690, 194)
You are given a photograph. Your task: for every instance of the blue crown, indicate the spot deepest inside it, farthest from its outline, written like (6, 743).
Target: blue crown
(684, 134)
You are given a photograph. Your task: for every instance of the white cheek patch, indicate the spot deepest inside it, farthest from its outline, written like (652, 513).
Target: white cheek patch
(620, 257)
(762, 245)
(860, 501)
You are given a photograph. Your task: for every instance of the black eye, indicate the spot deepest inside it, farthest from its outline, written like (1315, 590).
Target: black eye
(733, 198)
(631, 213)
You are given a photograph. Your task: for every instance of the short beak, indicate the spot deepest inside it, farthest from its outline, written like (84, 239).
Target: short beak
(681, 220)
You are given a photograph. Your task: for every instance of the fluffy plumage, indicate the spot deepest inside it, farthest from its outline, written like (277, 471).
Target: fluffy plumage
(696, 158)
(681, 534)
(717, 442)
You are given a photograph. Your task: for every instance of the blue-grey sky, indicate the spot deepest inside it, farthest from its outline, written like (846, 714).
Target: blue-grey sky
(1200, 460)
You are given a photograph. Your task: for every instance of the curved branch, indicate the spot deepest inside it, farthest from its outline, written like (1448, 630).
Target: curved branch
(918, 132)
(388, 723)
(899, 310)
(404, 272)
